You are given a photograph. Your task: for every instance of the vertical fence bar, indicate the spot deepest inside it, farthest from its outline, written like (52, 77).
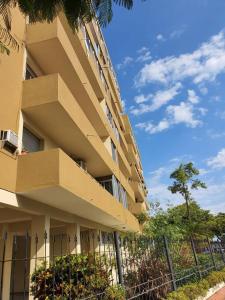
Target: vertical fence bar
(195, 257)
(3, 262)
(118, 257)
(14, 257)
(169, 262)
(211, 253)
(25, 265)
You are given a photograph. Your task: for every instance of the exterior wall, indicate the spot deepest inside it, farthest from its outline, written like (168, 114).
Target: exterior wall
(64, 107)
(11, 74)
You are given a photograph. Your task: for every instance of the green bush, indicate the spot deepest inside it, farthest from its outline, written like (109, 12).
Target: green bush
(192, 291)
(116, 292)
(177, 295)
(216, 277)
(74, 276)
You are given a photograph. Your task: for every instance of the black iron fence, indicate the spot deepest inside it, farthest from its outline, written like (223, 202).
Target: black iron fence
(100, 266)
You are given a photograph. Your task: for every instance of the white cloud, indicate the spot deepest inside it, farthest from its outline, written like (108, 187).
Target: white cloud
(217, 162)
(159, 99)
(177, 33)
(215, 135)
(152, 129)
(211, 198)
(144, 54)
(203, 111)
(126, 61)
(203, 90)
(192, 97)
(160, 37)
(183, 113)
(142, 50)
(142, 98)
(175, 114)
(220, 114)
(144, 57)
(203, 64)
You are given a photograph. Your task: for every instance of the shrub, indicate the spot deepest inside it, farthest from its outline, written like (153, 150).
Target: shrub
(73, 276)
(194, 290)
(116, 292)
(177, 295)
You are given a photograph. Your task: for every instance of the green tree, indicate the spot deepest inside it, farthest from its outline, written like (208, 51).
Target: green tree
(219, 226)
(173, 222)
(184, 182)
(76, 12)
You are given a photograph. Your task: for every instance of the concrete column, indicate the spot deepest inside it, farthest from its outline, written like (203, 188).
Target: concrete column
(40, 242)
(40, 239)
(73, 232)
(7, 265)
(94, 236)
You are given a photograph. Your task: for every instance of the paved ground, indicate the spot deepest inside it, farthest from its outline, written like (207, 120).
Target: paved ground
(220, 295)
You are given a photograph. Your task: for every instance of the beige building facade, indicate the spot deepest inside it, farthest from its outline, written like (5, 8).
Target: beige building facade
(69, 163)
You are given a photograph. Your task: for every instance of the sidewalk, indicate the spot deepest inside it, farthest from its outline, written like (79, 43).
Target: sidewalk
(220, 295)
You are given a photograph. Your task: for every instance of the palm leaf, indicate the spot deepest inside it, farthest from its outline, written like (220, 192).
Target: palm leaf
(5, 13)
(104, 11)
(125, 3)
(4, 49)
(7, 39)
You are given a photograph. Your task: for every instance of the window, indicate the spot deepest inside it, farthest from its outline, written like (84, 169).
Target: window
(123, 196)
(112, 123)
(114, 187)
(114, 152)
(31, 143)
(106, 182)
(29, 73)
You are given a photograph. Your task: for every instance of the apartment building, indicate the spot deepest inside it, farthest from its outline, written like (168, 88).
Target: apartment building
(69, 162)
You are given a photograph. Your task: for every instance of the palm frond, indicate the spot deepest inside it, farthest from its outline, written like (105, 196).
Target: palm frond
(125, 3)
(7, 39)
(104, 12)
(79, 11)
(5, 13)
(40, 10)
(4, 49)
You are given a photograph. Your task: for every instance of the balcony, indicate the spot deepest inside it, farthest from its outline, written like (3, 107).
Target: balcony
(138, 208)
(54, 47)
(49, 104)
(139, 191)
(53, 178)
(132, 154)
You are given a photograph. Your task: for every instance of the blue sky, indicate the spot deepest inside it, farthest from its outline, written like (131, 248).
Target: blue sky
(170, 62)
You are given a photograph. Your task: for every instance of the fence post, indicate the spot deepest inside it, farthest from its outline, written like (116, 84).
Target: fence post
(195, 257)
(211, 253)
(169, 262)
(118, 257)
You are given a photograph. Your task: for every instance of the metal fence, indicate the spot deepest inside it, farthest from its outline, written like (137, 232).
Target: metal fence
(146, 268)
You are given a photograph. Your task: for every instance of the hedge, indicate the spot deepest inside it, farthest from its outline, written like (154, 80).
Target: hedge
(199, 289)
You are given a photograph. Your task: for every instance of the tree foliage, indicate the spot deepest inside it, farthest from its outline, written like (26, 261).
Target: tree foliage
(219, 226)
(76, 12)
(184, 181)
(173, 222)
(187, 219)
